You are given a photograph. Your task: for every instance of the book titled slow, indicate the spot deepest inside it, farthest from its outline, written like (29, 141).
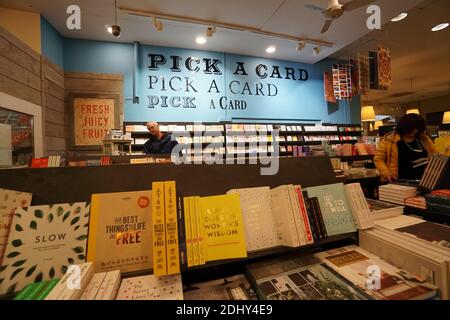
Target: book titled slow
(44, 241)
(224, 227)
(120, 231)
(151, 287)
(336, 211)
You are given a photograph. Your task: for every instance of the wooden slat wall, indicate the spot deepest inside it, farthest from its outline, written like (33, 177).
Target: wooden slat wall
(55, 124)
(20, 69)
(31, 77)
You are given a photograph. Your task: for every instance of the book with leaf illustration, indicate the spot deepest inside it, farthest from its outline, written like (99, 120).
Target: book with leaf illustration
(43, 242)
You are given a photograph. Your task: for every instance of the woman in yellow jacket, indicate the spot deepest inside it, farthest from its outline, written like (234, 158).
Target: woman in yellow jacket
(398, 150)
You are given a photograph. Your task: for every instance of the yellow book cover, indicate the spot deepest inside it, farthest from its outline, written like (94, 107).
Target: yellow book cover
(201, 232)
(120, 231)
(173, 251)
(224, 227)
(159, 232)
(187, 228)
(194, 230)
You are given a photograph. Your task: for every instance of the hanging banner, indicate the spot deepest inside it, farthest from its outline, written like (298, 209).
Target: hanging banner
(384, 68)
(328, 87)
(363, 70)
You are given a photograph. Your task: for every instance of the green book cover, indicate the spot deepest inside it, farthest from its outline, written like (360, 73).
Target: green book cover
(22, 295)
(335, 208)
(44, 293)
(36, 290)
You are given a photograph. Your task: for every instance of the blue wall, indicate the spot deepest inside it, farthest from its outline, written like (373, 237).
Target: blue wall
(51, 43)
(295, 99)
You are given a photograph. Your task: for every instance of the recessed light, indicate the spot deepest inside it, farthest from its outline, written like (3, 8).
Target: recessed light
(316, 51)
(200, 40)
(440, 27)
(400, 17)
(108, 28)
(271, 49)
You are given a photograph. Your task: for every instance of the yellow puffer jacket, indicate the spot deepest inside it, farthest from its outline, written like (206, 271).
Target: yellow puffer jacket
(386, 156)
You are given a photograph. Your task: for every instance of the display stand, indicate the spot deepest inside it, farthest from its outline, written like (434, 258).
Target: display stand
(77, 184)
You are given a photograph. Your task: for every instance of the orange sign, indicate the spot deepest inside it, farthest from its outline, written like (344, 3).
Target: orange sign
(92, 119)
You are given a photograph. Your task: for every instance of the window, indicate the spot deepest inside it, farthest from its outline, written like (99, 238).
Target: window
(16, 138)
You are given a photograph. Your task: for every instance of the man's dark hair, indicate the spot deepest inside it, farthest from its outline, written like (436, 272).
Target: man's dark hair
(410, 122)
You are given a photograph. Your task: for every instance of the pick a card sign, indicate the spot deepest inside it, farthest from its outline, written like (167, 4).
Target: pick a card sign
(93, 117)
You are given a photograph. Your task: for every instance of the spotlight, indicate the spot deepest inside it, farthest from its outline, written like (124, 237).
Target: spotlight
(400, 17)
(157, 24)
(316, 51)
(271, 49)
(108, 28)
(115, 30)
(301, 45)
(440, 27)
(210, 31)
(200, 40)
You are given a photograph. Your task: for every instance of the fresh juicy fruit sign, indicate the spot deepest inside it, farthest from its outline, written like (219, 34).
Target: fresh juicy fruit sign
(189, 85)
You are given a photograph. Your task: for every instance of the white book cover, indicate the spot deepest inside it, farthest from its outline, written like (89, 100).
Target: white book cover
(43, 242)
(284, 217)
(151, 288)
(359, 207)
(9, 201)
(260, 226)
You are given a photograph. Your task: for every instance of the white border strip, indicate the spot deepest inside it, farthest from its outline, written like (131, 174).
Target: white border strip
(19, 105)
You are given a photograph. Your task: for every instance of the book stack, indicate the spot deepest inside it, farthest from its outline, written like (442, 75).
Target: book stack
(214, 229)
(166, 256)
(37, 290)
(382, 210)
(418, 202)
(54, 161)
(395, 193)
(439, 201)
(335, 208)
(436, 170)
(231, 288)
(419, 247)
(374, 276)
(73, 283)
(102, 286)
(39, 163)
(300, 278)
(359, 206)
(151, 287)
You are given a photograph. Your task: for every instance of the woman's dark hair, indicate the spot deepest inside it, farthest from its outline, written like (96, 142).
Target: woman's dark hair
(410, 122)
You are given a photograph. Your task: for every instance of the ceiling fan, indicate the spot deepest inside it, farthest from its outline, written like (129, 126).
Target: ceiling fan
(335, 10)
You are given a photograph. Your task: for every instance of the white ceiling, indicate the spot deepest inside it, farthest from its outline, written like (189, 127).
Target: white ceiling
(417, 54)
(288, 17)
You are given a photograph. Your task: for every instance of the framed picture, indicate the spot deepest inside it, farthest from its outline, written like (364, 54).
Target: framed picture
(92, 115)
